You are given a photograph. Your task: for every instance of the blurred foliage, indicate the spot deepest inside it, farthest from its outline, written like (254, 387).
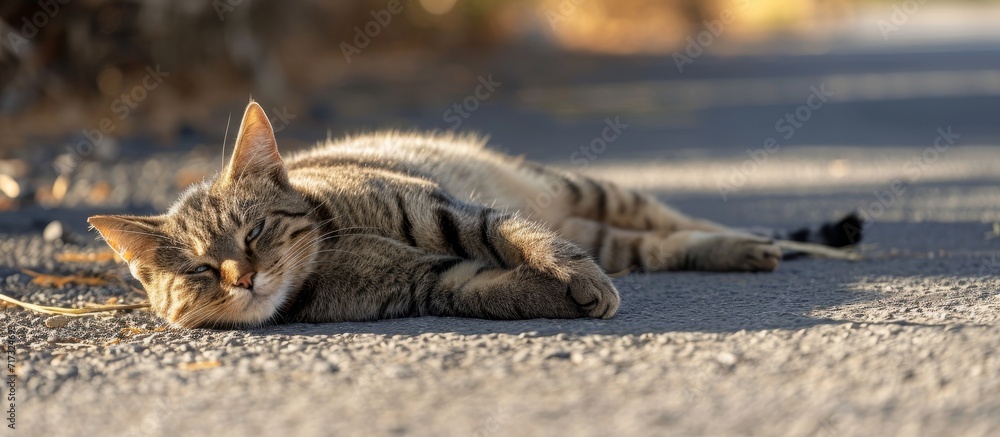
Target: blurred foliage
(69, 60)
(88, 46)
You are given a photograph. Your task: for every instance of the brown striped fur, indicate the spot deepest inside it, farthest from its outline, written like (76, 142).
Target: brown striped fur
(398, 225)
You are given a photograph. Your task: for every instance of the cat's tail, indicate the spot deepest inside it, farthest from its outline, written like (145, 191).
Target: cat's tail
(825, 240)
(845, 232)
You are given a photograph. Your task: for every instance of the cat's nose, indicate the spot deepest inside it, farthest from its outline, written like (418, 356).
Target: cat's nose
(239, 273)
(246, 281)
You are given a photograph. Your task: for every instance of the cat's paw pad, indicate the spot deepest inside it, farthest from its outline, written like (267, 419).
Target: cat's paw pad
(735, 253)
(761, 257)
(752, 254)
(592, 292)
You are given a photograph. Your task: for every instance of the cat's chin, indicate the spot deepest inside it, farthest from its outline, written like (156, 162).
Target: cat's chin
(262, 304)
(246, 308)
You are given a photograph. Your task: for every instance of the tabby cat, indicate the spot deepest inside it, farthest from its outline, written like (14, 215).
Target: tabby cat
(399, 225)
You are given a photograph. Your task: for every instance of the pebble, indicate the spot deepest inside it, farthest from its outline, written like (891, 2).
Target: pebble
(324, 367)
(9, 187)
(54, 232)
(726, 358)
(561, 355)
(56, 321)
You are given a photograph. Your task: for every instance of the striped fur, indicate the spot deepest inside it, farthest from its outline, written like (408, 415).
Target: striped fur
(399, 225)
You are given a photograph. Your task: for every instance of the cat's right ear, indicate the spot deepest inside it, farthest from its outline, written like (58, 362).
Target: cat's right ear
(129, 236)
(256, 150)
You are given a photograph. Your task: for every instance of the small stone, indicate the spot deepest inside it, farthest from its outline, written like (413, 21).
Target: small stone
(56, 321)
(9, 187)
(325, 367)
(561, 355)
(726, 359)
(53, 232)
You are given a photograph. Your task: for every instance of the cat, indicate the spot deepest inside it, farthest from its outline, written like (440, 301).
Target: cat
(394, 224)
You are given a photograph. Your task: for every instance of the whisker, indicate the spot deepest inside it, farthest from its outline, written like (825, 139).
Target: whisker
(224, 139)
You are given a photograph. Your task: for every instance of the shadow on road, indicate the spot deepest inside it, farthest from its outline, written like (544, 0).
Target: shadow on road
(657, 303)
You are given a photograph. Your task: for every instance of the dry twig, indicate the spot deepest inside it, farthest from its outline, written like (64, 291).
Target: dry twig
(73, 312)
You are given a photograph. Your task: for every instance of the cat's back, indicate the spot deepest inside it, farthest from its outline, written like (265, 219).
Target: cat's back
(462, 164)
(396, 150)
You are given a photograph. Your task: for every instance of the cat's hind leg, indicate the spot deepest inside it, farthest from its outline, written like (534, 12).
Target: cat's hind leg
(583, 197)
(618, 249)
(624, 208)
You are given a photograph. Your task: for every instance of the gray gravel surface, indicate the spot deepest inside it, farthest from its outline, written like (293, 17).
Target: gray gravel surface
(903, 343)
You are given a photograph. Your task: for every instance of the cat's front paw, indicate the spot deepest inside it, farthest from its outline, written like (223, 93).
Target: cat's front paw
(591, 290)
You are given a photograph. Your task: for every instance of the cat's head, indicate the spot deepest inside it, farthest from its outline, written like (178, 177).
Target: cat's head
(230, 252)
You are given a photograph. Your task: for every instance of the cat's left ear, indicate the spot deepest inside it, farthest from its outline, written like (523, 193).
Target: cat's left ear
(256, 153)
(130, 236)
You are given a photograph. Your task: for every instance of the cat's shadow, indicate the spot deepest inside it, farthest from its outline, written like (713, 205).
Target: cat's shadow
(666, 302)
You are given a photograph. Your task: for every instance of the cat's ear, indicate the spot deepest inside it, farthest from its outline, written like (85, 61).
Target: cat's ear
(129, 236)
(256, 151)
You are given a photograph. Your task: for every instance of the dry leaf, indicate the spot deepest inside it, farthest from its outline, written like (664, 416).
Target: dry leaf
(132, 330)
(60, 281)
(80, 257)
(200, 365)
(75, 312)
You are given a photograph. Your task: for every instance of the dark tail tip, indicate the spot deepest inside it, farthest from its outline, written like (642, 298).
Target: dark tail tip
(845, 232)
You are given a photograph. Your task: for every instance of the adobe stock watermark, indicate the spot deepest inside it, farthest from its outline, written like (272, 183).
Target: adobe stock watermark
(10, 380)
(281, 118)
(123, 107)
(901, 14)
(223, 7)
(588, 153)
(31, 27)
(459, 112)
(363, 35)
(562, 12)
(789, 124)
(702, 40)
(694, 389)
(493, 423)
(913, 170)
(581, 158)
(152, 422)
(990, 266)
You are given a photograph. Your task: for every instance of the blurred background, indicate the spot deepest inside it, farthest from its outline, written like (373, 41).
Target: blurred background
(762, 111)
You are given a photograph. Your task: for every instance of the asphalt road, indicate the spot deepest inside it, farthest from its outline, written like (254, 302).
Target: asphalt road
(902, 343)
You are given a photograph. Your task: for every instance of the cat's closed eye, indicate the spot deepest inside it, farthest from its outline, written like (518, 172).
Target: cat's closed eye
(255, 232)
(200, 269)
